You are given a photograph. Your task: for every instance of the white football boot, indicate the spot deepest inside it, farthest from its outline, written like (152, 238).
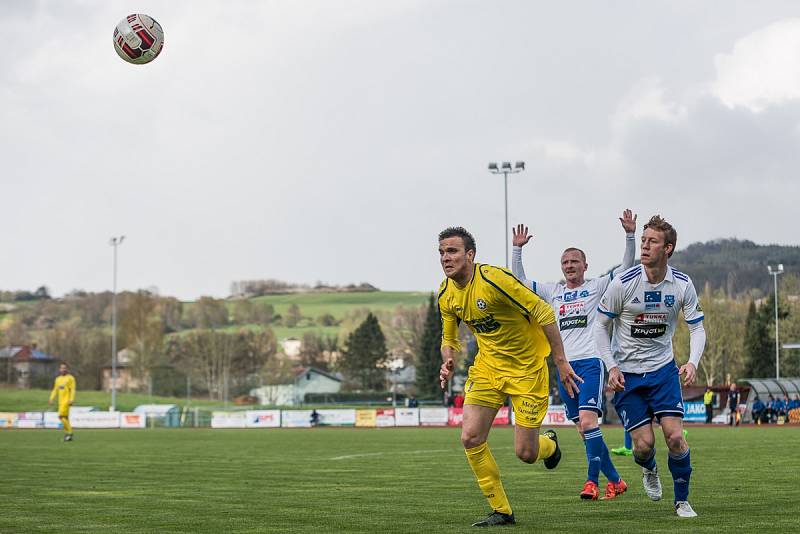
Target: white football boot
(652, 484)
(684, 509)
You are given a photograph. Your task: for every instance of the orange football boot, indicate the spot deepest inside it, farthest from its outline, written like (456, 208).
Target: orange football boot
(615, 490)
(590, 491)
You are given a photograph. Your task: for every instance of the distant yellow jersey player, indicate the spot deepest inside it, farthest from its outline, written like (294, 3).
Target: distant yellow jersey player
(64, 391)
(515, 331)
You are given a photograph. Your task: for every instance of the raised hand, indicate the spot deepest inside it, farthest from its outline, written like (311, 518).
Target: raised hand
(628, 221)
(521, 236)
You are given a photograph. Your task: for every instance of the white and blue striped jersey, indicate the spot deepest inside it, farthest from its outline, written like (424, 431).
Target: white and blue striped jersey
(575, 308)
(645, 315)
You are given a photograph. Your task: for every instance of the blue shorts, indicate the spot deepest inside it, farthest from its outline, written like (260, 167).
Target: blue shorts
(649, 395)
(591, 397)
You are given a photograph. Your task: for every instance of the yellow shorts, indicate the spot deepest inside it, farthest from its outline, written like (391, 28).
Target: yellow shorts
(63, 410)
(529, 395)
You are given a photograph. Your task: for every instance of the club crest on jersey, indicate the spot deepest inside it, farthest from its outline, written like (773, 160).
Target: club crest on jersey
(669, 300)
(481, 304)
(585, 293)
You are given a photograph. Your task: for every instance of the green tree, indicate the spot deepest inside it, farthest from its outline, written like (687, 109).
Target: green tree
(365, 354)
(293, 316)
(208, 312)
(759, 340)
(429, 357)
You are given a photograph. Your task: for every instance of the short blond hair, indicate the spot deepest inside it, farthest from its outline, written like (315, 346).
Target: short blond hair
(660, 224)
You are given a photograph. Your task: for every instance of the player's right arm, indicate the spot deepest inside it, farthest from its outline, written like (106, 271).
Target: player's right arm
(54, 392)
(610, 307)
(521, 237)
(450, 344)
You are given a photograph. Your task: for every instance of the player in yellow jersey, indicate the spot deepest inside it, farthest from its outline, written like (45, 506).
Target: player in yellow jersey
(64, 389)
(516, 331)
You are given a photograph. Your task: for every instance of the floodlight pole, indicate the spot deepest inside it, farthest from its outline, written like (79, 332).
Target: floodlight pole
(775, 272)
(115, 242)
(505, 170)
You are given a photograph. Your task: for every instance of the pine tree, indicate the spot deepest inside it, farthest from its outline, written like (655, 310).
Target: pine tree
(365, 354)
(759, 338)
(429, 358)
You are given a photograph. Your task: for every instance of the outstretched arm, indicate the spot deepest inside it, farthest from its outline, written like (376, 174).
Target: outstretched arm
(520, 239)
(628, 221)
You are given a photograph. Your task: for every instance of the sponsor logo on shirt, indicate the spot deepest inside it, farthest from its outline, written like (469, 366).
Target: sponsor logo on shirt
(652, 306)
(669, 300)
(648, 331)
(650, 318)
(584, 293)
(569, 296)
(652, 296)
(568, 323)
(575, 308)
(484, 325)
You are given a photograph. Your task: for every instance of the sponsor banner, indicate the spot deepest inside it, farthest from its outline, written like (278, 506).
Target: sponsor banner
(132, 420)
(433, 416)
(406, 416)
(7, 419)
(30, 420)
(296, 418)
(367, 418)
(384, 417)
(228, 419)
(502, 417)
(263, 418)
(556, 416)
(455, 416)
(94, 419)
(694, 412)
(337, 417)
(51, 420)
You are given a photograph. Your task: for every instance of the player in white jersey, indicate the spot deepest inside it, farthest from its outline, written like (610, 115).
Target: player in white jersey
(643, 305)
(575, 304)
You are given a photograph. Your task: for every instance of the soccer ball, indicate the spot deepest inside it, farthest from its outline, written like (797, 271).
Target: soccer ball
(138, 39)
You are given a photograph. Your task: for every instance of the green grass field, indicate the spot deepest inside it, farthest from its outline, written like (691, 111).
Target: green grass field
(339, 304)
(371, 481)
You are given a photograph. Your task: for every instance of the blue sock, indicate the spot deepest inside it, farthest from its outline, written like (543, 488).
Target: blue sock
(628, 442)
(681, 468)
(649, 462)
(593, 441)
(607, 466)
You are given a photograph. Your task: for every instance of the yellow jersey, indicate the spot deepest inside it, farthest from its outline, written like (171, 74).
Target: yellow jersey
(64, 388)
(505, 316)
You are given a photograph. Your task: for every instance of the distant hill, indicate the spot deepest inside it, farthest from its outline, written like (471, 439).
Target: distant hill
(738, 266)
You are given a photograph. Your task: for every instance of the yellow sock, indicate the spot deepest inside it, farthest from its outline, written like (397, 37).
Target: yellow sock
(547, 447)
(488, 474)
(67, 426)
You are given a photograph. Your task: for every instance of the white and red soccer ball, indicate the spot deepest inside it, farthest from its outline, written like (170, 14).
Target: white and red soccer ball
(138, 39)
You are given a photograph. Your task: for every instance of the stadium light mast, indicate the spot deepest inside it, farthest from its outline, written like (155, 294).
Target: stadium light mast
(114, 242)
(775, 272)
(505, 169)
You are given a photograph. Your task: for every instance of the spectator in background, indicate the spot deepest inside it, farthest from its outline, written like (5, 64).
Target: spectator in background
(782, 408)
(733, 404)
(759, 410)
(314, 418)
(794, 403)
(458, 401)
(412, 402)
(708, 400)
(770, 408)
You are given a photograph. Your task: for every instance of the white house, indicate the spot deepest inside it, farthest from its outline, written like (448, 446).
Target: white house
(307, 380)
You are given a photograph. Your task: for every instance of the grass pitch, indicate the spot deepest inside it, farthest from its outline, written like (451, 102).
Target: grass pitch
(371, 481)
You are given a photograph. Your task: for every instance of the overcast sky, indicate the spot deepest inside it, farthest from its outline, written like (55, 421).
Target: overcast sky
(333, 140)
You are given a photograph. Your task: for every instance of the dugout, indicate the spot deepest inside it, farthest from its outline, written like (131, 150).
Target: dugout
(168, 415)
(763, 387)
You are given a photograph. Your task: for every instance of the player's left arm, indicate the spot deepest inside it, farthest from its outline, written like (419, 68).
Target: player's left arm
(693, 314)
(71, 390)
(566, 374)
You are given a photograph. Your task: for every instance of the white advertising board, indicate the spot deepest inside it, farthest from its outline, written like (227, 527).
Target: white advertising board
(337, 417)
(94, 419)
(132, 420)
(296, 418)
(228, 419)
(406, 416)
(51, 420)
(433, 416)
(263, 418)
(30, 420)
(384, 417)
